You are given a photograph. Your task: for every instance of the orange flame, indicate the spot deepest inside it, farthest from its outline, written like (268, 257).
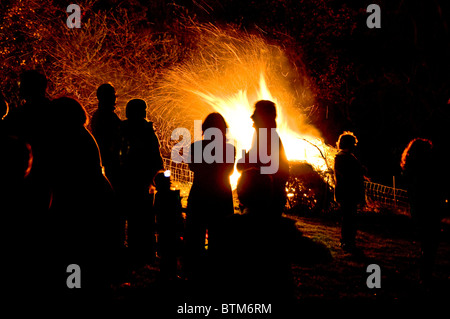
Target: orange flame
(228, 73)
(237, 109)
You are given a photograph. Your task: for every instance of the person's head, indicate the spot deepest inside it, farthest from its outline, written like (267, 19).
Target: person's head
(69, 112)
(347, 141)
(215, 120)
(136, 109)
(162, 181)
(418, 153)
(255, 190)
(106, 95)
(264, 115)
(4, 108)
(33, 85)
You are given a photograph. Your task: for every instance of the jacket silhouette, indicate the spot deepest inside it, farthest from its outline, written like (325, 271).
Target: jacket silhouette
(264, 118)
(424, 194)
(140, 155)
(32, 123)
(210, 199)
(169, 224)
(140, 160)
(349, 188)
(105, 126)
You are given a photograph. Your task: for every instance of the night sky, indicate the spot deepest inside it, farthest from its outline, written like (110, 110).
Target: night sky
(387, 85)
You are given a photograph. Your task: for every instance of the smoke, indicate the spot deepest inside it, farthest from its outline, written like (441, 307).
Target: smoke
(226, 72)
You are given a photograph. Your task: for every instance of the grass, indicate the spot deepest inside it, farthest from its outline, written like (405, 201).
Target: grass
(386, 240)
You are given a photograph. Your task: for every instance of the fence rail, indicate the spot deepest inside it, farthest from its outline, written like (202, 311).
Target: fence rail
(382, 196)
(377, 195)
(179, 172)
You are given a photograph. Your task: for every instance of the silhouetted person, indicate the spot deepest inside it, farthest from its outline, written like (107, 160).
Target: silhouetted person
(29, 128)
(256, 193)
(418, 161)
(82, 220)
(140, 160)
(105, 125)
(349, 188)
(254, 258)
(29, 119)
(15, 165)
(264, 122)
(4, 108)
(169, 224)
(31, 122)
(77, 175)
(210, 199)
(247, 267)
(17, 222)
(141, 157)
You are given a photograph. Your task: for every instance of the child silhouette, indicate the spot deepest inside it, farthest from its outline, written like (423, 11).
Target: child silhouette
(169, 224)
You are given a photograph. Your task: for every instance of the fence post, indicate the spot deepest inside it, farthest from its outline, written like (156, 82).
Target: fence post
(395, 200)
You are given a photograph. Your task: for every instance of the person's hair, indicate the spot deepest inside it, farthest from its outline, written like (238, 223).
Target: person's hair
(106, 95)
(215, 120)
(267, 112)
(347, 140)
(254, 189)
(69, 111)
(417, 153)
(161, 181)
(136, 108)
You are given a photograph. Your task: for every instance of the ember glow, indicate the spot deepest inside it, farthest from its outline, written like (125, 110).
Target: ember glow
(228, 74)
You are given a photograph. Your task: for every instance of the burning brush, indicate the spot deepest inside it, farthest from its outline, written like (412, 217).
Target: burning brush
(227, 73)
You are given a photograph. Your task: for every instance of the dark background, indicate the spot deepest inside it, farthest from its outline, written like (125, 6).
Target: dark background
(386, 85)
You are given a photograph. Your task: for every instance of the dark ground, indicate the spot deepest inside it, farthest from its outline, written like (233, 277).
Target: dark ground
(387, 240)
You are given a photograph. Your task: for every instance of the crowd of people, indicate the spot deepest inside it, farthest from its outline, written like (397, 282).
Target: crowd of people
(75, 193)
(79, 193)
(70, 193)
(424, 192)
